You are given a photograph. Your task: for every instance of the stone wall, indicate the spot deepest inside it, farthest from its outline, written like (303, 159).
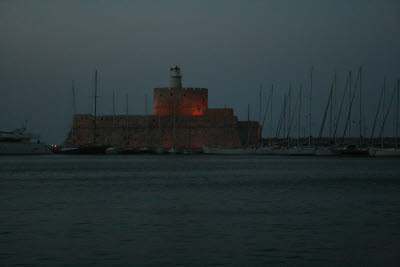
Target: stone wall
(155, 131)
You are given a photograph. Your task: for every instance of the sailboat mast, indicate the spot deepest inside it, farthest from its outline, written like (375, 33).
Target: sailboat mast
(350, 106)
(248, 124)
(397, 114)
(73, 113)
(73, 98)
(174, 120)
(335, 109)
(147, 122)
(248, 112)
(361, 136)
(289, 122)
(309, 129)
(270, 122)
(259, 113)
(95, 107)
(126, 121)
(113, 118)
(259, 117)
(159, 122)
(284, 116)
(330, 116)
(299, 129)
(383, 110)
(113, 104)
(190, 144)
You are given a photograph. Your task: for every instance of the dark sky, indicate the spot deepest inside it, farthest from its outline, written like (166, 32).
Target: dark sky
(229, 47)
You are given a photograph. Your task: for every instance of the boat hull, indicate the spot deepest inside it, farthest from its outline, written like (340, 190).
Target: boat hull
(24, 149)
(327, 152)
(228, 151)
(69, 151)
(300, 151)
(264, 151)
(354, 152)
(384, 152)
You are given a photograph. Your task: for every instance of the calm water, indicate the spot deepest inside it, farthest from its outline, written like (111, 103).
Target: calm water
(229, 210)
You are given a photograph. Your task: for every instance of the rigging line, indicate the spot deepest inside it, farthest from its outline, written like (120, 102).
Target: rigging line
(326, 112)
(278, 129)
(341, 105)
(351, 105)
(376, 116)
(387, 112)
(266, 110)
(291, 119)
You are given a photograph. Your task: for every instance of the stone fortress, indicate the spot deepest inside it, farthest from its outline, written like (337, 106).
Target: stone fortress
(181, 119)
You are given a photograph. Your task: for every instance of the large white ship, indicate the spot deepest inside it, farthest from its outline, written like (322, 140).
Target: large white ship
(18, 142)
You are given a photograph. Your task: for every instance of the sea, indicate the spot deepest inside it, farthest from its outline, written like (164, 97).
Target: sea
(199, 210)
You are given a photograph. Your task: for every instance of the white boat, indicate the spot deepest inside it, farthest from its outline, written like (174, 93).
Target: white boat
(187, 152)
(172, 150)
(384, 152)
(228, 150)
(300, 151)
(265, 150)
(113, 151)
(388, 152)
(18, 142)
(280, 151)
(327, 151)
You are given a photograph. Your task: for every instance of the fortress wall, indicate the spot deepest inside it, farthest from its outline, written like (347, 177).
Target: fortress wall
(218, 112)
(130, 131)
(188, 101)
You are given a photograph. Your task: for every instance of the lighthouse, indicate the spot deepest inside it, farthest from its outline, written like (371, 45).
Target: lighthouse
(176, 78)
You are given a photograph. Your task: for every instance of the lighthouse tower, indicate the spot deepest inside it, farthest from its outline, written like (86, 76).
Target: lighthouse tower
(176, 78)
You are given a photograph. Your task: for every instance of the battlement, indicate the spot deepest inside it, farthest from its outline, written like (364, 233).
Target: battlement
(219, 112)
(166, 90)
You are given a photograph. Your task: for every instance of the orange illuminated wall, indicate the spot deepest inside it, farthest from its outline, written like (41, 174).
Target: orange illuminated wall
(188, 101)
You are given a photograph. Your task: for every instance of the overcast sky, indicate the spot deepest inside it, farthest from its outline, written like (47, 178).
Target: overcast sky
(229, 47)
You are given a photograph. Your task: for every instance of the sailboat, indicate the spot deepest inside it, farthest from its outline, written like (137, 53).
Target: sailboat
(298, 150)
(69, 148)
(93, 148)
(333, 150)
(159, 150)
(384, 152)
(188, 151)
(112, 149)
(266, 149)
(127, 150)
(173, 149)
(353, 149)
(389, 152)
(329, 150)
(278, 149)
(145, 148)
